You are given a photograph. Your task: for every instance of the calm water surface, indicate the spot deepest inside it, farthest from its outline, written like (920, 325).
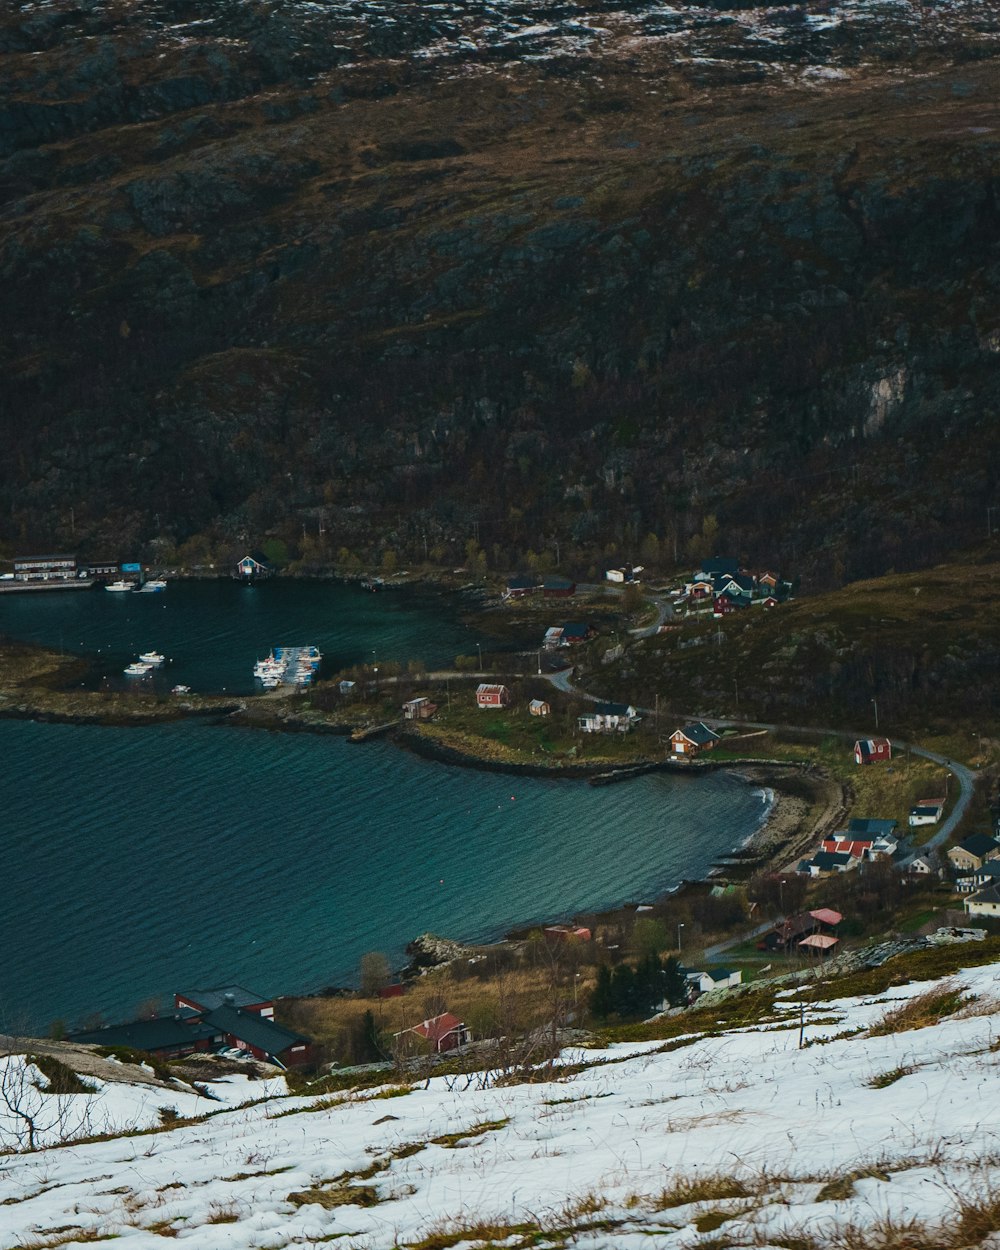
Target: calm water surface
(211, 632)
(140, 861)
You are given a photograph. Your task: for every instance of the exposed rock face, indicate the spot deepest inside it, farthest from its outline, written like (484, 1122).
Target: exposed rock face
(406, 275)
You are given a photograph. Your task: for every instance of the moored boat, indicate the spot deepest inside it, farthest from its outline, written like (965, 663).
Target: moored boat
(152, 657)
(120, 586)
(137, 669)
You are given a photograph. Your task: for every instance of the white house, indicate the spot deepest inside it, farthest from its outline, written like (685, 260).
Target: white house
(716, 979)
(608, 718)
(984, 903)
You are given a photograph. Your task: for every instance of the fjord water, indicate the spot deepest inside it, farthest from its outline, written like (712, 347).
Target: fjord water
(140, 861)
(212, 631)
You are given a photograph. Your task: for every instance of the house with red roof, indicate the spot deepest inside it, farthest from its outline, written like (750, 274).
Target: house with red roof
(441, 1033)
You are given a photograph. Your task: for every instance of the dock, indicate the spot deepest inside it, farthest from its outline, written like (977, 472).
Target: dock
(289, 666)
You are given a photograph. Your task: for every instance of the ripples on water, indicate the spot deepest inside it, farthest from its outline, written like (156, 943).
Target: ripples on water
(140, 861)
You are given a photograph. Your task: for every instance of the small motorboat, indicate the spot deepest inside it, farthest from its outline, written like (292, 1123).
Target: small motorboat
(120, 586)
(154, 584)
(180, 690)
(152, 657)
(138, 669)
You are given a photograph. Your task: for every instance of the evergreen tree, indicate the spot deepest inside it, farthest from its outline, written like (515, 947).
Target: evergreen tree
(674, 985)
(601, 996)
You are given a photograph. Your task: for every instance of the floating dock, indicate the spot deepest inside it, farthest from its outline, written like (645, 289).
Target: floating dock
(289, 666)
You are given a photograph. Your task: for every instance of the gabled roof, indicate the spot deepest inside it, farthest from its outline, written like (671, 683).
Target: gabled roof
(486, 687)
(575, 629)
(521, 583)
(866, 825)
(990, 869)
(819, 941)
(698, 733)
(614, 709)
(224, 996)
(161, 1033)
(558, 583)
(978, 844)
(253, 1029)
(991, 894)
(825, 860)
(826, 915)
(438, 1027)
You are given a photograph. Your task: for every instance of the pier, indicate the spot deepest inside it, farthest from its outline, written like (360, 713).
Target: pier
(288, 666)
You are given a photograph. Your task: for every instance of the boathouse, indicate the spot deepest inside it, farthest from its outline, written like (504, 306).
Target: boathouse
(489, 695)
(252, 568)
(419, 709)
(693, 739)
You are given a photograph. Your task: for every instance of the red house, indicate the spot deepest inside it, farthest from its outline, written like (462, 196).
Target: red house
(442, 1033)
(857, 848)
(201, 1001)
(872, 750)
(488, 695)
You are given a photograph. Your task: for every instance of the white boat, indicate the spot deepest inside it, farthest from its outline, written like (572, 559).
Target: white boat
(181, 690)
(154, 584)
(120, 586)
(270, 683)
(137, 669)
(152, 657)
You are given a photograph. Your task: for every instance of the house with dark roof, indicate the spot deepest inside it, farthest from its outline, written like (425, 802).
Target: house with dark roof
(988, 874)
(253, 567)
(828, 861)
(789, 932)
(245, 1029)
(693, 739)
(864, 827)
(200, 1001)
(974, 851)
(984, 902)
(575, 632)
(171, 1037)
(712, 979)
(520, 587)
(558, 588)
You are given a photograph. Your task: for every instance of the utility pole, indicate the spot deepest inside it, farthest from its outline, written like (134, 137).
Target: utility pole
(875, 704)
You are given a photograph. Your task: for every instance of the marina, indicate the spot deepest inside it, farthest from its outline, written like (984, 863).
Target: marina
(288, 666)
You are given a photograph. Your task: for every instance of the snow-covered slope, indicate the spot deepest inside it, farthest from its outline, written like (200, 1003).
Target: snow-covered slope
(740, 1139)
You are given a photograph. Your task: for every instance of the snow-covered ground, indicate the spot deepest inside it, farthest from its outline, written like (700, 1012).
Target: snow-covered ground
(742, 1139)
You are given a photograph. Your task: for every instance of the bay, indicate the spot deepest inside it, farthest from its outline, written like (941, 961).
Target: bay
(212, 631)
(140, 861)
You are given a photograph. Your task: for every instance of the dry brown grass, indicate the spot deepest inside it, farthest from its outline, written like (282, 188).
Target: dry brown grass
(522, 997)
(922, 1011)
(336, 1196)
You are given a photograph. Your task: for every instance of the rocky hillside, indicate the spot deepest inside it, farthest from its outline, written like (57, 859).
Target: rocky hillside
(546, 277)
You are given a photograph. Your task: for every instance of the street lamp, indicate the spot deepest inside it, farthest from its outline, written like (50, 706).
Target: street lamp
(479, 648)
(679, 927)
(539, 664)
(875, 702)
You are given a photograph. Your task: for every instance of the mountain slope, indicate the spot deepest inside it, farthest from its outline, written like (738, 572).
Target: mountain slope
(880, 1124)
(413, 277)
